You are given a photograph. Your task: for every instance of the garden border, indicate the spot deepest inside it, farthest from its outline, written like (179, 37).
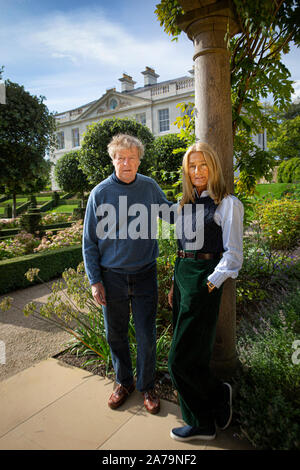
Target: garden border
(51, 263)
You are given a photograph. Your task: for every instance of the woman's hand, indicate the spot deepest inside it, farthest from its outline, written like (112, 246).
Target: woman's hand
(170, 295)
(98, 293)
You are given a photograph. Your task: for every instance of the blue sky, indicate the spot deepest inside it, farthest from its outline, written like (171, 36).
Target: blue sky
(72, 51)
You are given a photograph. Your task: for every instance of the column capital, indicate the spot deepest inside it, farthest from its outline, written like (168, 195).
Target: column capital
(208, 15)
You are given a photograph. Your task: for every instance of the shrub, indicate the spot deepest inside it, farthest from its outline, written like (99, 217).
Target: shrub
(280, 222)
(22, 244)
(68, 174)
(51, 263)
(167, 164)
(268, 399)
(94, 159)
(67, 237)
(30, 221)
(289, 171)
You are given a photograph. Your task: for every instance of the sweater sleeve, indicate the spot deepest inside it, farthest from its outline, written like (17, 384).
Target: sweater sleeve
(229, 215)
(90, 250)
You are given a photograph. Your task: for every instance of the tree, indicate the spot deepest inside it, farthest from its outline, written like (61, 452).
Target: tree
(286, 142)
(95, 161)
(289, 171)
(168, 152)
(266, 30)
(69, 176)
(26, 131)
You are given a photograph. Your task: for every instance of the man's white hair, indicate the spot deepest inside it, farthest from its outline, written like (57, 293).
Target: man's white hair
(121, 141)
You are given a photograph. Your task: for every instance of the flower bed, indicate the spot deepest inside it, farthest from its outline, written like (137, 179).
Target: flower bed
(25, 243)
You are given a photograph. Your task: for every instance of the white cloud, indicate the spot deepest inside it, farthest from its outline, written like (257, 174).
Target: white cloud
(73, 58)
(90, 38)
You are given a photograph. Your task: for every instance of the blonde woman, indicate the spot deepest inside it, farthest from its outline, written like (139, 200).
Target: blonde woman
(209, 231)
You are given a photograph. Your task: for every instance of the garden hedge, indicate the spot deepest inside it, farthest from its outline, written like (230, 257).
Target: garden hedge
(51, 264)
(11, 232)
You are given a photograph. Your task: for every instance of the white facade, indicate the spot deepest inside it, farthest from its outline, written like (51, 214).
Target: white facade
(154, 105)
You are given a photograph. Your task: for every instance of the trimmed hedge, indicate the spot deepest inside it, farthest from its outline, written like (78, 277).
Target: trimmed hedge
(11, 232)
(51, 264)
(47, 206)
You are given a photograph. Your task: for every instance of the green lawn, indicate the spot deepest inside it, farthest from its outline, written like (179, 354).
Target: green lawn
(63, 209)
(42, 199)
(274, 189)
(19, 200)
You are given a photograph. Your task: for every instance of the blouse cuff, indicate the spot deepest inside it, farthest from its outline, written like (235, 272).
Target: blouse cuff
(217, 278)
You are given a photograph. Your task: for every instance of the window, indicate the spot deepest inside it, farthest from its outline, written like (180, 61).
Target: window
(141, 118)
(163, 118)
(75, 137)
(60, 139)
(113, 104)
(259, 140)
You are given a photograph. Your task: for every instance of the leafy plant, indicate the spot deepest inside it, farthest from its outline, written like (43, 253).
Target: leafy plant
(280, 222)
(268, 399)
(289, 171)
(26, 133)
(95, 161)
(168, 151)
(69, 176)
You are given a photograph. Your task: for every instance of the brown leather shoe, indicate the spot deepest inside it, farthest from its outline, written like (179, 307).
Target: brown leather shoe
(119, 395)
(151, 402)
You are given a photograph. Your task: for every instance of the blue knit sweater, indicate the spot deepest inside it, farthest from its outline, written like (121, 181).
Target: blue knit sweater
(108, 245)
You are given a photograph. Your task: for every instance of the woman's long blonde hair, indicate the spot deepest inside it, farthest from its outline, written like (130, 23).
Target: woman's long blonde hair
(216, 186)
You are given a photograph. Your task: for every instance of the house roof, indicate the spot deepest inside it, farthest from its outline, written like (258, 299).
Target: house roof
(124, 93)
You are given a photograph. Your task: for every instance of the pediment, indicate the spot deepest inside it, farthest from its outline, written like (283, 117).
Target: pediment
(112, 101)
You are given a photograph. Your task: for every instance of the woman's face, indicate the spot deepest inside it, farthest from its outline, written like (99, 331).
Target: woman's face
(198, 171)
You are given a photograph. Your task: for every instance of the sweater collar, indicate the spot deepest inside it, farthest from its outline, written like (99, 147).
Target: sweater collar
(117, 180)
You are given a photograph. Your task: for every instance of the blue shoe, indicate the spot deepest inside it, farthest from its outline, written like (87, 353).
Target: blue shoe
(187, 433)
(224, 414)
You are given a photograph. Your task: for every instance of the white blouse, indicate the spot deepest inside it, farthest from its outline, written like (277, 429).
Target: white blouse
(229, 216)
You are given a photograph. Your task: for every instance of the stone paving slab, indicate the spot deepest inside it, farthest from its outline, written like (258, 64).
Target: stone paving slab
(54, 406)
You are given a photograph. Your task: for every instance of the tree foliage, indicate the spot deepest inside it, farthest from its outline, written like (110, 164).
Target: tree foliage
(95, 161)
(289, 171)
(286, 140)
(266, 30)
(252, 162)
(69, 176)
(168, 152)
(26, 130)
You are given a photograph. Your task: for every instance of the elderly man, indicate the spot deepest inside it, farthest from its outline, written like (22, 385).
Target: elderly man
(120, 262)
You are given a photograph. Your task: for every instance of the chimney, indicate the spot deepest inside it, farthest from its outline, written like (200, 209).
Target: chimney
(150, 77)
(127, 83)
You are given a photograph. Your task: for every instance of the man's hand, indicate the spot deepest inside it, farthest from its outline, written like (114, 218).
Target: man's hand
(170, 295)
(98, 292)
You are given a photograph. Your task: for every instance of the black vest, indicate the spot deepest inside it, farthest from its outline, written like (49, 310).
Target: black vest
(213, 241)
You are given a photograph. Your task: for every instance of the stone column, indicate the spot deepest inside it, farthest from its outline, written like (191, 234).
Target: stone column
(206, 23)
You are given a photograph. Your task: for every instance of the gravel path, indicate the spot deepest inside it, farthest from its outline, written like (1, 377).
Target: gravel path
(27, 340)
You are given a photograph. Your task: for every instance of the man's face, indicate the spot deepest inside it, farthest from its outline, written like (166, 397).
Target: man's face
(126, 163)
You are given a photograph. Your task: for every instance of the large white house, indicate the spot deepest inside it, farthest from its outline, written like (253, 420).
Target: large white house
(154, 105)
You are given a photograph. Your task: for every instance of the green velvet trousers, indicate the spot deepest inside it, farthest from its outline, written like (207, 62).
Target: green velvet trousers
(195, 314)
